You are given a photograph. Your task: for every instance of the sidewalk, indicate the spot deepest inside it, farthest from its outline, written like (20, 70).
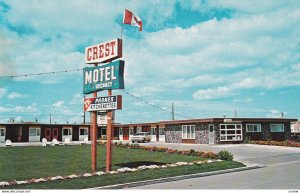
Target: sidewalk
(249, 166)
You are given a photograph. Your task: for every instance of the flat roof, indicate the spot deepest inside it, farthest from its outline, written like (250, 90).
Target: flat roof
(228, 120)
(167, 122)
(36, 124)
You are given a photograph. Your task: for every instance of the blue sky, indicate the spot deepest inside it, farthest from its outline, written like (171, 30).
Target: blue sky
(209, 57)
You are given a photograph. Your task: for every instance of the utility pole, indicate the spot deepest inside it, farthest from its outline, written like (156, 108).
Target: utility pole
(235, 115)
(173, 118)
(50, 118)
(83, 117)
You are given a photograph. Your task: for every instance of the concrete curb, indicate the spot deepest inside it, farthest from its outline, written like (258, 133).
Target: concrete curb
(175, 178)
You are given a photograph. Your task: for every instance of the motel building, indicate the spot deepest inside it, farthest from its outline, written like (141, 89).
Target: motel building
(196, 131)
(35, 132)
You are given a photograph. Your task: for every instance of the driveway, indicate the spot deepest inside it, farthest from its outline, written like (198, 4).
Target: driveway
(241, 152)
(281, 171)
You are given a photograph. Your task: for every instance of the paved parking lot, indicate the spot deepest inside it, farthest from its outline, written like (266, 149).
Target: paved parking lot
(240, 151)
(281, 171)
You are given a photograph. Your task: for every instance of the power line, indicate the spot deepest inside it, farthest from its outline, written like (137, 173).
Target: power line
(41, 73)
(157, 107)
(80, 69)
(37, 115)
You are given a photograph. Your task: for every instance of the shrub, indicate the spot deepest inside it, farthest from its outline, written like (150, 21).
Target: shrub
(134, 146)
(161, 149)
(247, 140)
(296, 138)
(184, 152)
(192, 152)
(172, 151)
(127, 145)
(102, 142)
(200, 153)
(225, 155)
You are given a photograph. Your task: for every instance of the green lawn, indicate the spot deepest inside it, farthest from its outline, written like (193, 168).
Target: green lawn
(21, 163)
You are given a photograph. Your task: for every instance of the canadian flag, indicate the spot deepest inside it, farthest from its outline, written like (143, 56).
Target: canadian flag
(132, 19)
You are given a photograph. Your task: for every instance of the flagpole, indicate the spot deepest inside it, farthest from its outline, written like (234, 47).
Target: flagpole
(122, 31)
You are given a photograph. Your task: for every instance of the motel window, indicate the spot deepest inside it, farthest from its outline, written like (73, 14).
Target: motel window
(253, 127)
(34, 131)
(67, 131)
(231, 132)
(121, 131)
(84, 131)
(2, 132)
(103, 131)
(161, 131)
(152, 131)
(131, 131)
(277, 127)
(188, 131)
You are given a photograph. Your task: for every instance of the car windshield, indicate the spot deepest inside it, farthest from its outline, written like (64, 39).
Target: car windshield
(139, 134)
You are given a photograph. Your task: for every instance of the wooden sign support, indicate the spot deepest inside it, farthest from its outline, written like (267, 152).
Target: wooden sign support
(109, 134)
(94, 136)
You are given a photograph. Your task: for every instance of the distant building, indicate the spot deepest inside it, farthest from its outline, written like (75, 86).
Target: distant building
(197, 131)
(295, 127)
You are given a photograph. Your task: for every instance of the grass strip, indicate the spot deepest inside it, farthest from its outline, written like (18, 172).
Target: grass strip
(121, 178)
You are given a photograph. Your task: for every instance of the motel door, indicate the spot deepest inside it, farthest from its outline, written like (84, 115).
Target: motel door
(2, 134)
(126, 133)
(55, 133)
(48, 134)
(211, 134)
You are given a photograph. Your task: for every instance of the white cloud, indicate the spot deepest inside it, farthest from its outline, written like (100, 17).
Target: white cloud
(58, 103)
(3, 92)
(246, 100)
(77, 99)
(241, 7)
(274, 113)
(215, 93)
(15, 95)
(262, 93)
(31, 109)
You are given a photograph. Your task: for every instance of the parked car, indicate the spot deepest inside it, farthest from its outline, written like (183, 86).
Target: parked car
(141, 137)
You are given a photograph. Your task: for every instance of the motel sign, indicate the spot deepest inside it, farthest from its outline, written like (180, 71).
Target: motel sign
(108, 76)
(103, 52)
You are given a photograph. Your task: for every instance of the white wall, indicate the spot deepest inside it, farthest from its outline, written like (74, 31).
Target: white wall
(162, 137)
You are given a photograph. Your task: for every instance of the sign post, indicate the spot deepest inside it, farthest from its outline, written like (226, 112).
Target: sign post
(106, 77)
(94, 136)
(109, 134)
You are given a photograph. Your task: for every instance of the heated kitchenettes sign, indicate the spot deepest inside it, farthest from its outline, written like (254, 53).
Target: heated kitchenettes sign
(108, 76)
(103, 103)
